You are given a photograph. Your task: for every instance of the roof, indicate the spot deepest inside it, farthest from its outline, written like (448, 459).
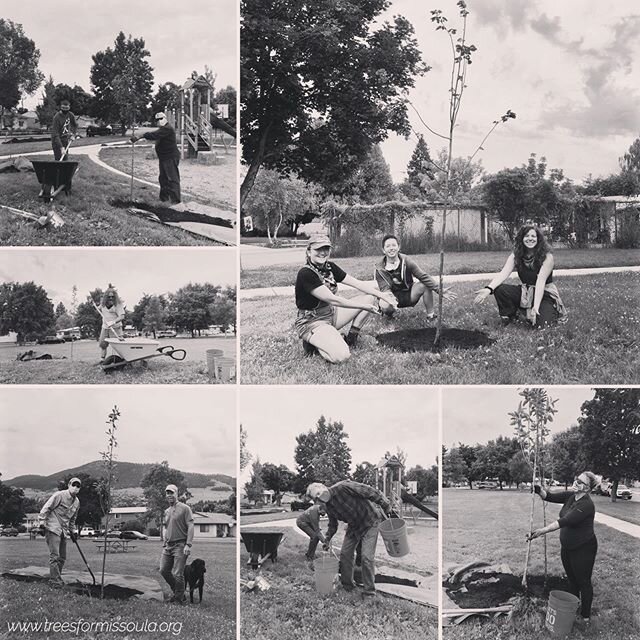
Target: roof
(200, 81)
(128, 510)
(212, 518)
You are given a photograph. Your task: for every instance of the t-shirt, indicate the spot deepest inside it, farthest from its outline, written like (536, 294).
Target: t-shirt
(528, 274)
(397, 283)
(309, 279)
(576, 518)
(176, 522)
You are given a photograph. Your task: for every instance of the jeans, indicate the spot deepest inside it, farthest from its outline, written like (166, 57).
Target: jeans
(169, 180)
(578, 565)
(369, 541)
(58, 149)
(57, 554)
(313, 541)
(508, 299)
(172, 565)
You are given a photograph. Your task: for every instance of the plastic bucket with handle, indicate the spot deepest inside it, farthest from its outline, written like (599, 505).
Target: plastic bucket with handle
(394, 535)
(325, 570)
(212, 355)
(561, 613)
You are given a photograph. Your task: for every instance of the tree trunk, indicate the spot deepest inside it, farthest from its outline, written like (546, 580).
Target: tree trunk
(254, 167)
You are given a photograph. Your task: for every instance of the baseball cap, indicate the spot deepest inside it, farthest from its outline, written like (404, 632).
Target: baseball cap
(160, 115)
(318, 240)
(172, 488)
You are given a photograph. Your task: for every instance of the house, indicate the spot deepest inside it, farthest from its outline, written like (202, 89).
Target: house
(119, 515)
(213, 525)
(615, 215)
(31, 520)
(27, 121)
(9, 338)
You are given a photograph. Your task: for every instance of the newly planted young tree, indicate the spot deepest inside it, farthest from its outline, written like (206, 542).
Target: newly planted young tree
(109, 461)
(462, 52)
(530, 421)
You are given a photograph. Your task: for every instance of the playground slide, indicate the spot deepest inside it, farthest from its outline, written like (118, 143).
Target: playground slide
(222, 125)
(407, 497)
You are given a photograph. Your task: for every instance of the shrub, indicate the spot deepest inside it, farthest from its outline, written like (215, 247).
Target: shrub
(628, 236)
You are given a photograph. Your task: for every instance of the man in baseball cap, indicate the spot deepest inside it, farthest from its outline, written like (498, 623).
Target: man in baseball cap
(177, 536)
(168, 160)
(58, 517)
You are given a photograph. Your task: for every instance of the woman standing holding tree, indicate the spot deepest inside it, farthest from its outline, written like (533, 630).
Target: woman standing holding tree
(537, 297)
(578, 542)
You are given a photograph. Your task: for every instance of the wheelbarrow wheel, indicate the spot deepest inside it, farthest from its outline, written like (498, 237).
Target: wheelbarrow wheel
(46, 192)
(110, 363)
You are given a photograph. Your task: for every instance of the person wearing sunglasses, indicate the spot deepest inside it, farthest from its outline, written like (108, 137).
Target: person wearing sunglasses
(578, 543)
(177, 537)
(168, 160)
(58, 518)
(322, 313)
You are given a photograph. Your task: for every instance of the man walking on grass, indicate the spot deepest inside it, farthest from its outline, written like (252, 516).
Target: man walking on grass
(362, 507)
(58, 518)
(177, 536)
(168, 160)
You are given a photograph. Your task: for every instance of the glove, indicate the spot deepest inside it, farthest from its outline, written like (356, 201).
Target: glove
(134, 139)
(537, 488)
(41, 529)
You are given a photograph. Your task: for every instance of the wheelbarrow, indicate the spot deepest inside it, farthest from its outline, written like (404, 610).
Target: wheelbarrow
(129, 350)
(54, 176)
(261, 545)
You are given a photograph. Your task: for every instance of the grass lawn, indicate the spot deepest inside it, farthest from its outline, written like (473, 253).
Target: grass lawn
(598, 345)
(89, 218)
(291, 609)
(465, 262)
(81, 364)
(491, 526)
(37, 602)
(15, 149)
(628, 510)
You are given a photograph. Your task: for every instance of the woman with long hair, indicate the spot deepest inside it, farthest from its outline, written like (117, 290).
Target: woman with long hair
(322, 313)
(537, 297)
(578, 543)
(112, 312)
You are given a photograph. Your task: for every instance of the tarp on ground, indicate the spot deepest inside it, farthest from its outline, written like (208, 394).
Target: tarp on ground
(117, 585)
(15, 165)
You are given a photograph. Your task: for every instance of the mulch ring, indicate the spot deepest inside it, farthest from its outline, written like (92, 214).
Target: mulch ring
(166, 214)
(484, 590)
(411, 340)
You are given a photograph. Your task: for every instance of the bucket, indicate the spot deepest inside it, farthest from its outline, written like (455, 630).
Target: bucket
(561, 613)
(394, 535)
(225, 368)
(212, 354)
(325, 570)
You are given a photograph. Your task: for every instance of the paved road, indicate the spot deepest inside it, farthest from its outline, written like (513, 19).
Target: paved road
(253, 257)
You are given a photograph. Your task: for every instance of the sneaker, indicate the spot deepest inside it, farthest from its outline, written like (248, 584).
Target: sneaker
(309, 349)
(347, 587)
(368, 594)
(432, 316)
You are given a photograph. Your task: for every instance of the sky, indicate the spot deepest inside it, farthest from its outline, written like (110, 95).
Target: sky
(475, 415)
(569, 70)
(49, 429)
(181, 37)
(377, 419)
(133, 271)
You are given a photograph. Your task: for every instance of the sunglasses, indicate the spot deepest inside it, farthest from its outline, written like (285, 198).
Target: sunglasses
(76, 484)
(169, 493)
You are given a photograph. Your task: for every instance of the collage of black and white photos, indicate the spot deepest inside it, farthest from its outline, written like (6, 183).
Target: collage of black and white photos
(320, 320)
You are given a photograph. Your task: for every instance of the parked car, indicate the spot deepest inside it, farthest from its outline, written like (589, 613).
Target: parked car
(114, 533)
(133, 535)
(87, 531)
(50, 340)
(9, 531)
(300, 505)
(623, 492)
(95, 130)
(166, 334)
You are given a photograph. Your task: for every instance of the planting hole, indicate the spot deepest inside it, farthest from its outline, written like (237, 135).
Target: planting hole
(410, 340)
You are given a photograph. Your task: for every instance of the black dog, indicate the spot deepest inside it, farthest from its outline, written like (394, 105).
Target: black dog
(194, 577)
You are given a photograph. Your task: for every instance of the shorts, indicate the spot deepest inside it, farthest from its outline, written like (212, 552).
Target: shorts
(404, 298)
(109, 333)
(309, 320)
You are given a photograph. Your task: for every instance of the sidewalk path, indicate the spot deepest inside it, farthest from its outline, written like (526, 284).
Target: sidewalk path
(267, 292)
(619, 525)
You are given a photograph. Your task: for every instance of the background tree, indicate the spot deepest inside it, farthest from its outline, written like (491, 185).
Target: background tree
(153, 319)
(229, 96)
(322, 455)
(454, 469)
(565, 454)
(519, 469)
(12, 505)
(19, 58)
(65, 321)
(610, 434)
(630, 161)
(166, 98)
(427, 480)
(321, 83)
(492, 460)
(463, 177)
(153, 485)
(420, 165)
(92, 497)
(122, 81)
(365, 472)
(189, 307)
(81, 101)
(26, 309)
(49, 106)
(277, 478)
(223, 313)
(370, 182)
(87, 318)
(254, 489)
(245, 454)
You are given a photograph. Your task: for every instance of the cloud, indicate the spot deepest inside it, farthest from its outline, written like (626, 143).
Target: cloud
(513, 14)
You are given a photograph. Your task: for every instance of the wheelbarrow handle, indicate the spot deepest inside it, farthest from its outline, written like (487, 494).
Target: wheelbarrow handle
(175, 354)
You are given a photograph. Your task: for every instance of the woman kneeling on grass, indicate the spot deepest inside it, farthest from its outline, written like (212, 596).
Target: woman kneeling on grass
(321, 313)
(578, 542)
(407, 282)
(537, 297)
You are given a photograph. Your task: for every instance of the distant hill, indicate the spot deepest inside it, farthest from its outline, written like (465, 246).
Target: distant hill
(129, 474)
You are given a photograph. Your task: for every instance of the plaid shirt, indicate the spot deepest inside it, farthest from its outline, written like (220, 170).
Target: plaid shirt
(359, 505)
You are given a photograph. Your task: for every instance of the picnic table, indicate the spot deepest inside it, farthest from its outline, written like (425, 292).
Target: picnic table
(116, 546)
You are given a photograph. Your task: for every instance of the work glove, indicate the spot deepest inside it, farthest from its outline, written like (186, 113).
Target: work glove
(73, 536)
(537, 488)
(326, 545)
(41, 529)
(134, 139)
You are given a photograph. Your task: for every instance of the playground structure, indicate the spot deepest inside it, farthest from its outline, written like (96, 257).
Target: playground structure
(389, 480)
(199, 125)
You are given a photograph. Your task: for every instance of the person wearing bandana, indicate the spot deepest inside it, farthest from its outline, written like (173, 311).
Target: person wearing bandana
(537, 298)
(322, 313)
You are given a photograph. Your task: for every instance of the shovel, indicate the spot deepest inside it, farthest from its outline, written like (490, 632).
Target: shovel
(66, 150)
(52, 218)
(110, 324)
(85, 561)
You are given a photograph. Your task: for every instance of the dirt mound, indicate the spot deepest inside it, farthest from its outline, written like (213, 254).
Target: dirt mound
(483, 590)
(411, 340)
